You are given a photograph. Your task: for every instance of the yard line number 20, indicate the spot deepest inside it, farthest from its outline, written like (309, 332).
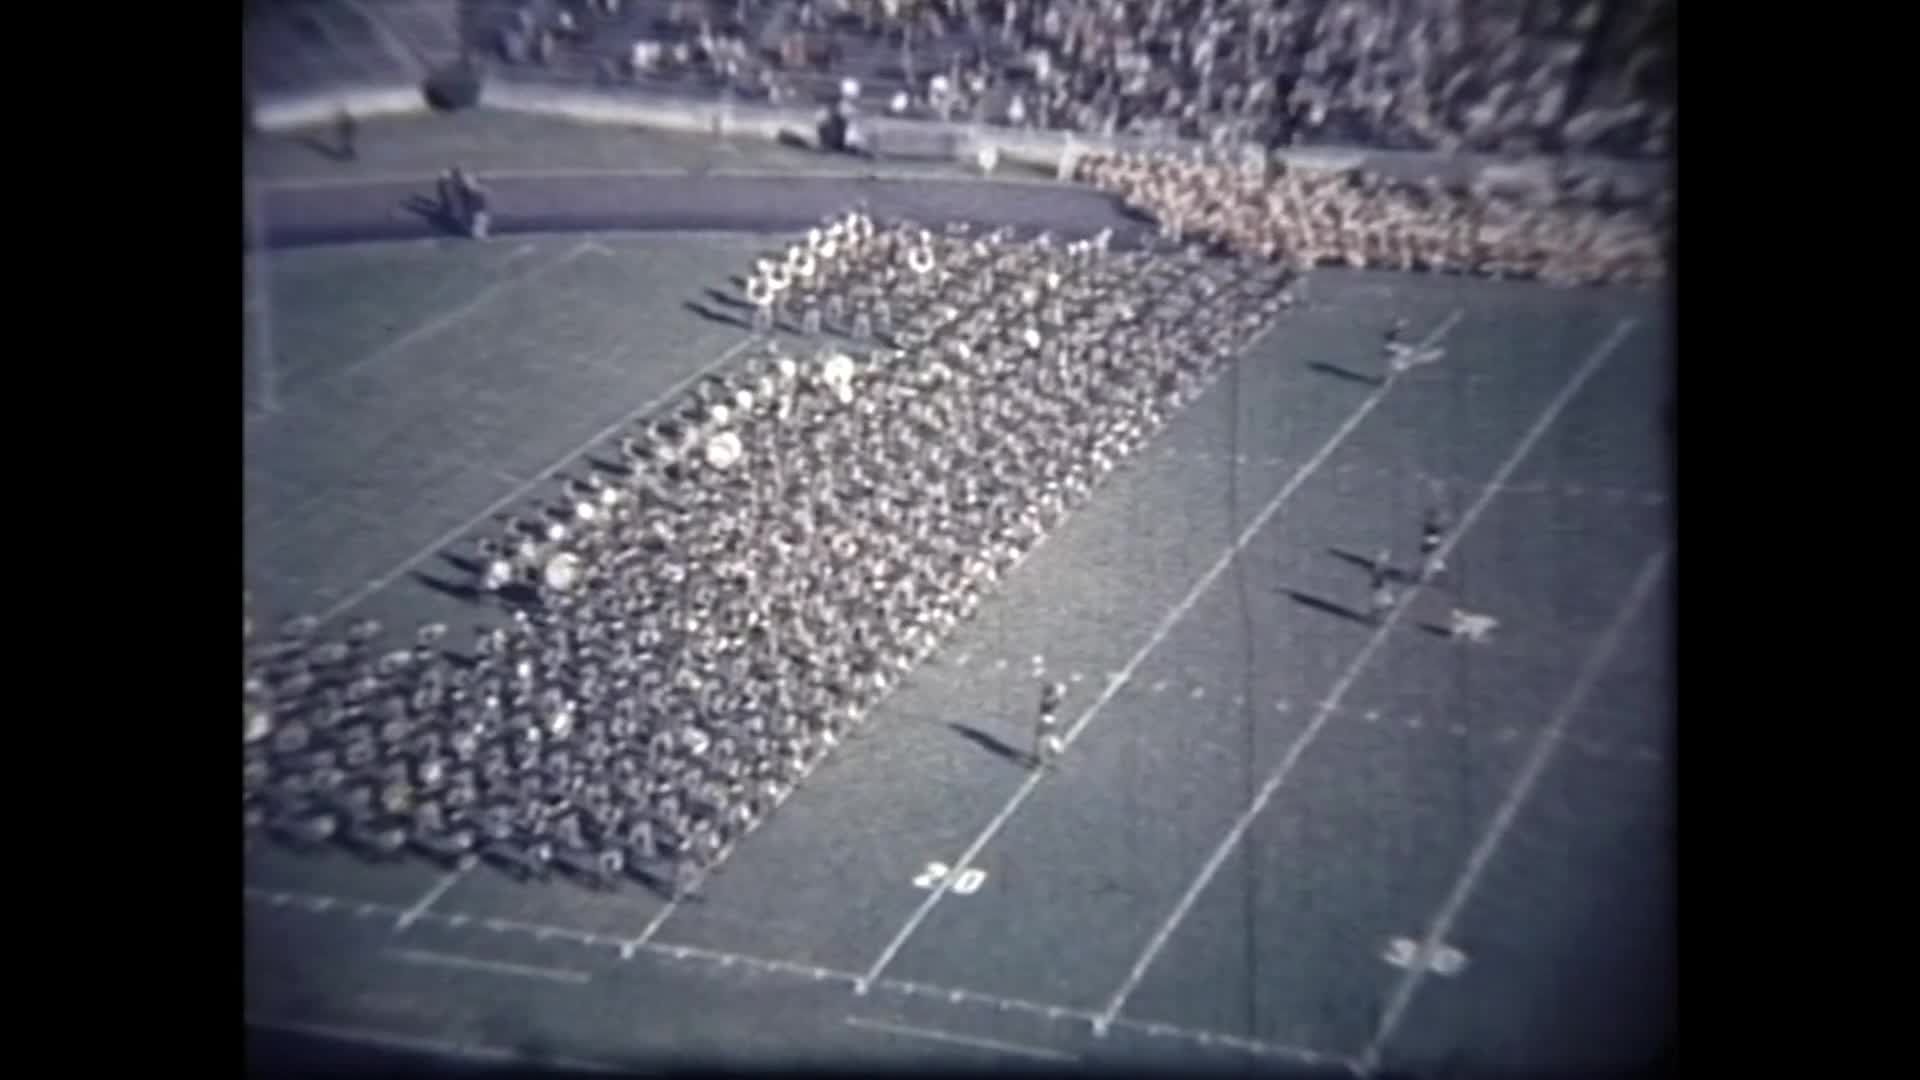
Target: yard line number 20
(966, 882)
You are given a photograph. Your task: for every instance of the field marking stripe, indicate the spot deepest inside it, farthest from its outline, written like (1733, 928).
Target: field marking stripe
(538, 478)
(428, 899)
(1160, 632)
(1544, 746)
(660, 918)
(439, 959)
(312, 902)
(653, 927)
(448, 318)
(1325, 710)
(933, 1035)
(422, 1044)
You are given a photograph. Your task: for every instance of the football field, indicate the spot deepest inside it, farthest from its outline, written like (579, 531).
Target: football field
(1283, 834)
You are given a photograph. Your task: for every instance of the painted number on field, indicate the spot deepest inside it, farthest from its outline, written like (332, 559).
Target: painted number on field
(1406, 953)
(966, 882)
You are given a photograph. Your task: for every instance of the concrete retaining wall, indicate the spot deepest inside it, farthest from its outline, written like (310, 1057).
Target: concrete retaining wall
(296, 111)
(1052, 151)
(885, 135)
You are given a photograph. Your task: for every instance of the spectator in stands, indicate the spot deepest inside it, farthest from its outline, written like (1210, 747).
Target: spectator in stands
(1441, 75)
(1354, 218)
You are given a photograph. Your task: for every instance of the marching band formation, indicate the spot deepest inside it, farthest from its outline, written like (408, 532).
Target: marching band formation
(1582, 236)
(689, 638)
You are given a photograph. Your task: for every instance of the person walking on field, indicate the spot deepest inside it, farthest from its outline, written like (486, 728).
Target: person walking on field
(1048, 742)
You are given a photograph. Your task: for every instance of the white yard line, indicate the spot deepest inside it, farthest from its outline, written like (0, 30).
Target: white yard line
(440, 959)
(480, 299)
(1543, 748)
(1332, 702)
(428, 899)
(660, 918)
(653, 927)
(539, 478)
(319, 904)
(1119, 679)
(933, 1035)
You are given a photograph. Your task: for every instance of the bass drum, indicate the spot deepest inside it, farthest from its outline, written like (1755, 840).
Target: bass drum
(563, 572)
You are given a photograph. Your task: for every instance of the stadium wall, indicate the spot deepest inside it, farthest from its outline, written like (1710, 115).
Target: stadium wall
(293, 112)
(891, 137)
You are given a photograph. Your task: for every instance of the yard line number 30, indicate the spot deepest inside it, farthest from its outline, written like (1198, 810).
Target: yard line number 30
(966, 882)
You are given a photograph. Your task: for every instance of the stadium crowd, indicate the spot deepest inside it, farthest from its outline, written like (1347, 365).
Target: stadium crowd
(688, 637)
(1579, 232)
(1509, 76)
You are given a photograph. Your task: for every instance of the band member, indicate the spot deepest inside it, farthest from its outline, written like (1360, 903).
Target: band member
(1433, 531)
(464, 202)
(1048, 742)
(480, 217)
(1383, 599)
